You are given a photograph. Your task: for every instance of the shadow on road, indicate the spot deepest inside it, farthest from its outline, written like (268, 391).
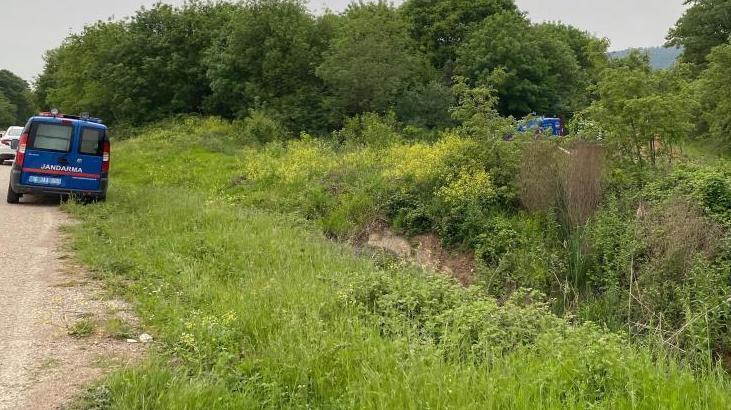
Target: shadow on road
(41, 201)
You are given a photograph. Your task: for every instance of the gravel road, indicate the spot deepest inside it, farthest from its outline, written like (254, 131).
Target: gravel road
(41, 295)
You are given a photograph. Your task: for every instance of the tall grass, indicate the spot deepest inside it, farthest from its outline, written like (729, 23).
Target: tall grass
(252, 309)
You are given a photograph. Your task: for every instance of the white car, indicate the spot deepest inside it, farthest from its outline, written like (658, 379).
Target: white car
(9, 143)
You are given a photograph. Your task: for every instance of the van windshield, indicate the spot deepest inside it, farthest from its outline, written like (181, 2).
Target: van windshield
(50, 137)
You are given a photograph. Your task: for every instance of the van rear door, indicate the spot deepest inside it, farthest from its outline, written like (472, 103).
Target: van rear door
(54, 159)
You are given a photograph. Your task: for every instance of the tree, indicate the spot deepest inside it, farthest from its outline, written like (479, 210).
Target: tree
(635, 59)
(637, 108)
(715, 94)
(440, 26)
(17, 93)
(476, 109)
(705, 25)
(170, 44)
(426, 105)
(370, 61)
(80, 75)
(589, 52)
(7, 113)
(542, 73)
(46, 81)
(267, 60)
(138, 70)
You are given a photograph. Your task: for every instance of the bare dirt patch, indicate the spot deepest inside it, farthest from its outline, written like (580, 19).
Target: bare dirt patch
(425, 251)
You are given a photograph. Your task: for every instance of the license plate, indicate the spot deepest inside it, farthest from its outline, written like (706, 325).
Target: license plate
(44, 180)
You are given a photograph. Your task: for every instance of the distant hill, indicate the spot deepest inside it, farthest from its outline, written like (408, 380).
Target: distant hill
(660, 57)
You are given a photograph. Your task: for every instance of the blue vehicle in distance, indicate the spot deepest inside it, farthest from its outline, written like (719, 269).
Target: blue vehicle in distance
(61, 155)
(541, 125)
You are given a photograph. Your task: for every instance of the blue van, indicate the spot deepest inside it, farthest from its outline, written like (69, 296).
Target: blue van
(541, 124)
(61, 155)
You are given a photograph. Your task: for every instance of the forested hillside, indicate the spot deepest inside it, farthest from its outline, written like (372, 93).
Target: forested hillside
(661, 58)
(258, 146)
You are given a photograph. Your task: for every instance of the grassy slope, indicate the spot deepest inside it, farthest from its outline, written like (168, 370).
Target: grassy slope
(255, 309)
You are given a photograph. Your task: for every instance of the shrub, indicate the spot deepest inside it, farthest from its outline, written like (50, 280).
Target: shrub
(569, 181)
(663, 272)
(676, 233)
(259, 127)
(711, 187)
(513, 253)
(426, 106)
(370, 129)
(538, 176)
(613, 246)
(469, 187)
(581, 183)
(295, 162)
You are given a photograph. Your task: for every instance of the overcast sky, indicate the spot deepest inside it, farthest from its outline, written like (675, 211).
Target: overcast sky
(29, 27)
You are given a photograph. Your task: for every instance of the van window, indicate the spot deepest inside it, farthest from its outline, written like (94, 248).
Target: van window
(92, 141)
(50, 137)
(14, 132)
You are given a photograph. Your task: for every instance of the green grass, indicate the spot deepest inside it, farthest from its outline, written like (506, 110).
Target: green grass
(82, 328)
(706, 153)
(255, 309)
(117, 328)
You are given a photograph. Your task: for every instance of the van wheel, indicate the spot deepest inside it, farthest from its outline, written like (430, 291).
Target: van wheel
(13, 197)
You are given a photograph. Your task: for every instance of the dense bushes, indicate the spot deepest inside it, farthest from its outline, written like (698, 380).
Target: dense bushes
(665, 254)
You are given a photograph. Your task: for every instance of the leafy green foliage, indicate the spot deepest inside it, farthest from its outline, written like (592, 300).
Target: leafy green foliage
(7, 112)
(371, 61)
(350, 121)
(266, 59)
(426, 105)
(638, 109)
(116, 69)
(261, 128)
(370, 129)
(440, 26)
(589, 52)
(542, 71)
(661, 268)
(15, 100)
(715, 95)
(705, 25)
(476, 109)
(310, 73)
